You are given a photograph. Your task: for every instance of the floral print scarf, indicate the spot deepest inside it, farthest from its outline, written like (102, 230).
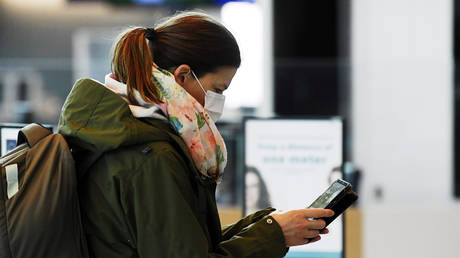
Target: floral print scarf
(193, 124)
(187, 116)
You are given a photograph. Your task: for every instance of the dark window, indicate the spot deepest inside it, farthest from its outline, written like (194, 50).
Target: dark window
(457, 99)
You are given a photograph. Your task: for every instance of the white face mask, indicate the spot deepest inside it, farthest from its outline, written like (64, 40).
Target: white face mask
(213, 102)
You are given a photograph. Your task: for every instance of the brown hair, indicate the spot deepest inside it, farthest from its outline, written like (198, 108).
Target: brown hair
(188, 38)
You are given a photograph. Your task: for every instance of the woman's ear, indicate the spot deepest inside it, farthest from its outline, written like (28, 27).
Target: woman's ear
(181, 73)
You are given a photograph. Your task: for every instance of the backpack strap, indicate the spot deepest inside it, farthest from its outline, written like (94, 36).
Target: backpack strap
(32, 133)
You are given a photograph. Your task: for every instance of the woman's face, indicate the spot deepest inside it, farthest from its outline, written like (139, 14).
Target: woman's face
(217, 81)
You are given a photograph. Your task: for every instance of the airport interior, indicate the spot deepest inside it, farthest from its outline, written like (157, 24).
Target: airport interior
(366, 91)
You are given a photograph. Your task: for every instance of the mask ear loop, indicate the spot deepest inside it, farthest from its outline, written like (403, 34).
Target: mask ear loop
(199, 83)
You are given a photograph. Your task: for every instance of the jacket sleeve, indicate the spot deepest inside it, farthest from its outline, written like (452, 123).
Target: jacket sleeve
(228, 231)
(158, 204)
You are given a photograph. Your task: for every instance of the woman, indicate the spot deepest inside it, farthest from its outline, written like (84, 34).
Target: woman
(159, 155)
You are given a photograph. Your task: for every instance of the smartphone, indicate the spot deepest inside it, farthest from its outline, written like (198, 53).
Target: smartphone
(337, 197)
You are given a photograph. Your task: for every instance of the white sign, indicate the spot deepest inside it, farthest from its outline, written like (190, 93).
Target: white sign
(289, 163)
(8, 139)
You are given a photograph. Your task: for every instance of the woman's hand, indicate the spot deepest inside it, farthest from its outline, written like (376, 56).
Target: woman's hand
(298, 226)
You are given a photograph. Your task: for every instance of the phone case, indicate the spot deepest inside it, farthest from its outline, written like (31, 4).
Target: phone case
(339, 206)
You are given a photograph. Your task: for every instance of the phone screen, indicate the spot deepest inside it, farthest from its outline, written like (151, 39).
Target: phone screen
(329, 195)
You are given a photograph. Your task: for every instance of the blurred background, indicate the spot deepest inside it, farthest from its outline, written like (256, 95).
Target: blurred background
(387, 67)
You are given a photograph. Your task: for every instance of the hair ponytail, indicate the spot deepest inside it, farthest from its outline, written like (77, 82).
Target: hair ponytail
(188, 38)
(132, 64)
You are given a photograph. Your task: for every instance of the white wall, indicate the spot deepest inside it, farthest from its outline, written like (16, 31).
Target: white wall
(402, 95)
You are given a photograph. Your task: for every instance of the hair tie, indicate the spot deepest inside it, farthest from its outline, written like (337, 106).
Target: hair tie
(150, 33)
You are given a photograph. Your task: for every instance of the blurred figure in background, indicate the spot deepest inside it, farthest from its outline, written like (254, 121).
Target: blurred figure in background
(23, 111)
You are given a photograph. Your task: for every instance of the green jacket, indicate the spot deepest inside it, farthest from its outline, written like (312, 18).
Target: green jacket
(144, 197)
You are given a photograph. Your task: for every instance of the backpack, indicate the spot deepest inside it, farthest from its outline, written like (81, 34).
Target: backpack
(39, 207)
